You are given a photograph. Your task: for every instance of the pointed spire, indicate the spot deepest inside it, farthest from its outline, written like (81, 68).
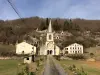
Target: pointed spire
(50, 27)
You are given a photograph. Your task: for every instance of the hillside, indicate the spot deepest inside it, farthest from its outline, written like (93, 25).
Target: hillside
(34, 22)
(17, 30)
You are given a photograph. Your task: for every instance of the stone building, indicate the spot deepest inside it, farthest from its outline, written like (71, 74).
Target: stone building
(73, 49)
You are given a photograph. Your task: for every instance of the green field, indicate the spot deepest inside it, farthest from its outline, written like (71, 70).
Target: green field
(8, 67)
(89, 69)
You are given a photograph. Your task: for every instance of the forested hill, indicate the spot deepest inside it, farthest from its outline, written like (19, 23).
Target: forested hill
(34, 22)
(13, 30)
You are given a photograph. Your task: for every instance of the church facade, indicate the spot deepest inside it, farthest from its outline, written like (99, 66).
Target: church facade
(49, 48)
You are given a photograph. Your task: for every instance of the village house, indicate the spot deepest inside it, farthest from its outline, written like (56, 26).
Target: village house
(62, 35)
(73, 49)
(26, 48)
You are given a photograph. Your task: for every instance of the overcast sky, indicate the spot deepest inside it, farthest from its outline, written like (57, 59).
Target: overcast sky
(85, 9)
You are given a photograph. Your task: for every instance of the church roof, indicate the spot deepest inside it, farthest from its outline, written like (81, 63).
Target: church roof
(50, 27)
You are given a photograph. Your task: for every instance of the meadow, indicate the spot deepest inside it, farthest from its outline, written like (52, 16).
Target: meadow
(9, 67)
(91, 68)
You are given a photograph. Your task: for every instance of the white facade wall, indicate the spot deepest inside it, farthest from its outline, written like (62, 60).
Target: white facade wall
(73, 49)
(44, 49)
(26, 48)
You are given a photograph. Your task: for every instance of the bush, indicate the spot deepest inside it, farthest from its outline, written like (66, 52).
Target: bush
(23, 69)
(76, 56)
(57, 57)
(76, 71)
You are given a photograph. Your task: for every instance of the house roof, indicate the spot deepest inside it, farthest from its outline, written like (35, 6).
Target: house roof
(75, 43)
(25, 43)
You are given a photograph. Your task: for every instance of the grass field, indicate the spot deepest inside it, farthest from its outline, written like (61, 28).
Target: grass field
(90, 69)
(95, 51)
(8, 67)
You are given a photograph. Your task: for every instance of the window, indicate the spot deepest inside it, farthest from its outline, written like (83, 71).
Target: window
(66, 52)
(22, 52)
(57, 37)
(78, 48)
(70, 47)
(33, 48)
(27, 58)
(66, 48)
(49, 37)
(75, 52)
(32, 52)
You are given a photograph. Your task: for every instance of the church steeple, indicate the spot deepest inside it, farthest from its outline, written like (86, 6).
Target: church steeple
(50, 33)
(50, 27)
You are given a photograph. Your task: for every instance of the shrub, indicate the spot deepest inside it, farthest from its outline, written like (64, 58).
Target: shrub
(76, 71)
(76, 56)
(91, 54)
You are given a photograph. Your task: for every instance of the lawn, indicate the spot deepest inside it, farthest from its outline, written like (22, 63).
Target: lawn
(88, 68)
(8, 67)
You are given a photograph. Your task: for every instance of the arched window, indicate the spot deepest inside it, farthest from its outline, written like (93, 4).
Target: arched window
(49, 37)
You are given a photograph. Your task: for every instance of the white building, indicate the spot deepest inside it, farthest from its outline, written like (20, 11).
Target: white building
(25, 48)
(49, 48)
(73, 49)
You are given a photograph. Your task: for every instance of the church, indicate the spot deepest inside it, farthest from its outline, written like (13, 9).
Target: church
(49, 48)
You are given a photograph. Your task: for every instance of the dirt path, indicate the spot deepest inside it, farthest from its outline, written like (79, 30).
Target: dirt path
(53, 68)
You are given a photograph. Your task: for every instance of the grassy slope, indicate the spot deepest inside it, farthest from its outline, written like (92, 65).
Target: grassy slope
(7, 48)
(8, 67)
(90, 70)
(95, 51)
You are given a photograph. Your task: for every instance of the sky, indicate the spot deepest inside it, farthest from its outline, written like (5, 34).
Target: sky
(84, 9)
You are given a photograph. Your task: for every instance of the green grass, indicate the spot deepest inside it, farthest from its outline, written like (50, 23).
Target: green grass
(8, 67)
(7, 48)
(90, 70)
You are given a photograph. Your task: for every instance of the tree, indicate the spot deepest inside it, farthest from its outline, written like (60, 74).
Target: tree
(76, 27)
(67, 26)
(56, 26)
(47, 22)
(91, 54)
(42, 26)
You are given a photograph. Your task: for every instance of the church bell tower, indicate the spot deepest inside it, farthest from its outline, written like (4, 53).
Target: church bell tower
(49, 33)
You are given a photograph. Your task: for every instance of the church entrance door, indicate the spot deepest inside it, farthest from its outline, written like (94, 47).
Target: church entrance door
(49, 52)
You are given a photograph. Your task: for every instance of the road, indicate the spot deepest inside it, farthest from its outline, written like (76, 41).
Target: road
(52, 67)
